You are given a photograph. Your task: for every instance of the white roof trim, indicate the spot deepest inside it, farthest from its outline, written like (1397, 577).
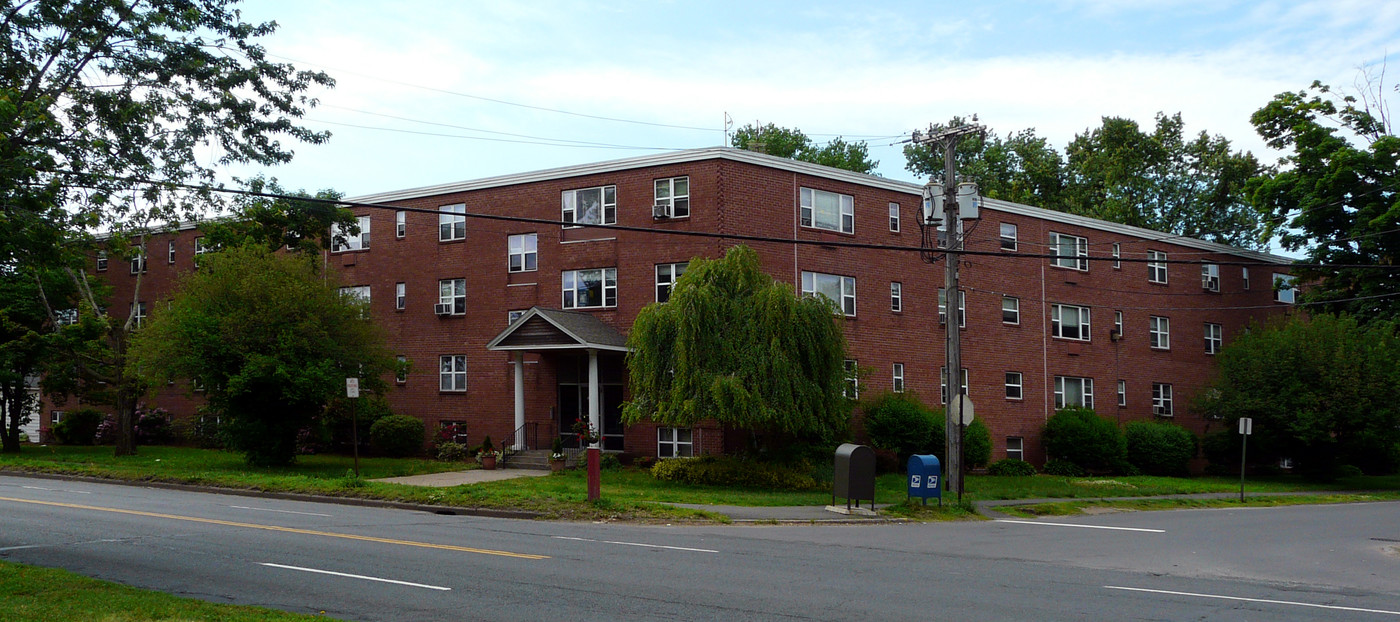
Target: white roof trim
(535, 311)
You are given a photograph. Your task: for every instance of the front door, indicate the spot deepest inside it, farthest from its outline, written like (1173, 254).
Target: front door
(573, 397)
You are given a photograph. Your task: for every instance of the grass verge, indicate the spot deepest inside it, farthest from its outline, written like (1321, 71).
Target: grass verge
(32, 593)
(1070, 508)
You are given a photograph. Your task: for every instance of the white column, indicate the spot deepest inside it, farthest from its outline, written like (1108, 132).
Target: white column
(519, 400)
(595, 416)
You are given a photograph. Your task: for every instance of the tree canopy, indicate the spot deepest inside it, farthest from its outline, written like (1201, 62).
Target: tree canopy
(270, 338)
(1335, 198)
(792, 143)
(735, 346)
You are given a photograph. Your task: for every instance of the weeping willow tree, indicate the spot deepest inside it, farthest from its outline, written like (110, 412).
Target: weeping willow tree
(734, 346)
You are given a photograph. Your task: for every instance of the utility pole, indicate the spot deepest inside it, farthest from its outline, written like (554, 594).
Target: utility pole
(948, 139)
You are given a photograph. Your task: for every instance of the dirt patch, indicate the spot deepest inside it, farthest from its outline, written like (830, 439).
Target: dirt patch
(1095, 510)
(1393, 551)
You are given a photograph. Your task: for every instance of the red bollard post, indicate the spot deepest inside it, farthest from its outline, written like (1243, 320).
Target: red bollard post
(595, 474)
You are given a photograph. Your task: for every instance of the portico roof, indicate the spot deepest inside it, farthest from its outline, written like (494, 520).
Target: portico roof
(554, 329)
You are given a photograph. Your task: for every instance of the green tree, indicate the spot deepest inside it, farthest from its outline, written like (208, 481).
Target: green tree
(271, 339)
(1324, 391)
(26, 346)
(110, 111)
(1023, 167)
(1334, 197)
(734, 346)
(792, 143)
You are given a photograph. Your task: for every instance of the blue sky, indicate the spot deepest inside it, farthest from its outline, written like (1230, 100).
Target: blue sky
(415, 77)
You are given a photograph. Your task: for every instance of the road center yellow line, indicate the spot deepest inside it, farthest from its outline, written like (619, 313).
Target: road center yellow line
(308, 532)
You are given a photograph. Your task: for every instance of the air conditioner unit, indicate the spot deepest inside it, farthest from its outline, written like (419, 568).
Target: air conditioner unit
(1210, 284)
(661, 210)
(442, 309)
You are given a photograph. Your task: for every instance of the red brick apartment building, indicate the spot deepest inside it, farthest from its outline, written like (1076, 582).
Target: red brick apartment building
(1133, 340)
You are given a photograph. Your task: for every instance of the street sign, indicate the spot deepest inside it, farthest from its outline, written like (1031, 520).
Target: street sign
(962, 409)
(1246, 426)
(352, 387)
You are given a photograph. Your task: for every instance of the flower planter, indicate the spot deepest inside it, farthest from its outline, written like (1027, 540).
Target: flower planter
(488, 463)
(556, 465)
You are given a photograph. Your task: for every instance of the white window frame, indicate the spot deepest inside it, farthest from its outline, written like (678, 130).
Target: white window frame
(851, 387)
(897, 378)
(607, 284)
(357, 242)
(1082, 317)
(138, 263)
(1008, 236)
(101, 261)
(668, 438)
(1086, 386)
(170, 254)
(943, 307)
(400, 296)
(201, 248)
(1244, 278)
(814, 283)
(1118, 323)
(400, 374)
(1162, 399)
(452, 373)
(813, 216)
(677, 203)
(359, 292)
(1210, 277)
(1159, 332)
(666, 276)
(606, 208)
(896, 297)
(138, 311)
(943, 384)
(452, 222)
(1157, 267)
(1016, 450)
(894, 217)
(1284, 291)
(453, 292)
(1015, 384)
(1080, 246)
(1122, 393)
(1013, 308)
(522, 251)
(1214, 337)
(1117, 256)
(400, 224)
(514, 314)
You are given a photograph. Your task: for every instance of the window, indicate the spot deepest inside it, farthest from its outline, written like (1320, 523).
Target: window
(897, 385)
(666, 275)
(1070, 251)
(1013, 385)
(943, 307)
(400, 224)
(1117, 256)
(524, 253)
(673, 196)
(1069, 322)
(358, 292)
(1118, 323)
(101, 261)
(896, 296)
(593, 206)
(138, 263)
(828, 210)
(65, 317)
(590, 289)
(1214, 338)
(1008, 236)
(452, 297)
(452, 222)
(1010, 310)
(200, 248)
(1210, 277)
(894, 217)
(452, 372)
(1244, 278)
(1122, 393)
(1072, 391)
(840, 289)
(674, 443)
(512, 316)
(170, 254)
(852, 386)
(1156, 267)
(138, 311)
(400, 295)
(401, 371)
(1283, 288)
(943, 233)
(1159, 332)
(1161, 399)
(943, 384)
(342, 240)
(1014, 448)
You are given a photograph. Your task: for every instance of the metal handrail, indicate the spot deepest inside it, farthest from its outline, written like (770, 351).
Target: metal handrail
(527, 436)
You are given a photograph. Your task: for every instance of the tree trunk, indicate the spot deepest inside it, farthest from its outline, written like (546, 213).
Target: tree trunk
(11, 411)
(127, 391)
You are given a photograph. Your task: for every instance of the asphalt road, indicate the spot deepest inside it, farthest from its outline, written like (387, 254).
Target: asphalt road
(1294, 563)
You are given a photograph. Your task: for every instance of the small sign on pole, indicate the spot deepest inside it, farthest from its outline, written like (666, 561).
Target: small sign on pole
(1246, 428)
(352, 391)
(352, 387)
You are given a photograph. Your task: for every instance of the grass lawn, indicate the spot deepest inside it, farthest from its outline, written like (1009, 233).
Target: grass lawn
(31, 593)
(1067, 508)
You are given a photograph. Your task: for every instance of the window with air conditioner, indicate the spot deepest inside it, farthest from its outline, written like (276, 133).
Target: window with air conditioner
(672, 198)
(1210, 277)
(452, 297)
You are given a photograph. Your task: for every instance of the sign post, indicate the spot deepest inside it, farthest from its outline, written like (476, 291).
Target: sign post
(1246, 428)
(352, 391)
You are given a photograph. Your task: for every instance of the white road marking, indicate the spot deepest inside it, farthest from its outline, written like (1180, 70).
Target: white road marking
(1254, 600)
(652, 546)
(244, 507)
(358, 576)
(1031, 522)
(76, 492)
(17, 548)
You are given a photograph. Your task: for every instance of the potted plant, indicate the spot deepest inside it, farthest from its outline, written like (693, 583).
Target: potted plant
(556, 455)
(487, 455)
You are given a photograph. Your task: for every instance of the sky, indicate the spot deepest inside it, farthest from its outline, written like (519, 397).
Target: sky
(432, 92)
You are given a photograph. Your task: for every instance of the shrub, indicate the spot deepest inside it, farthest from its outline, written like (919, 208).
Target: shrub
(1011, 467)
(977, 445)
(1081, 436)
(337, 421)
(1347, 470)
(397, 436)
(106, 431)
(1159, 448)
(78, 427)
(153, 426)
(900, 423)
(449, 451)
(730, 471)
(609, 461)
(24, 437)
(207, 432)
(1064, 468)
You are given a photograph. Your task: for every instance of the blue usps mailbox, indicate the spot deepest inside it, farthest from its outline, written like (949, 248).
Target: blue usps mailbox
(924, 472)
